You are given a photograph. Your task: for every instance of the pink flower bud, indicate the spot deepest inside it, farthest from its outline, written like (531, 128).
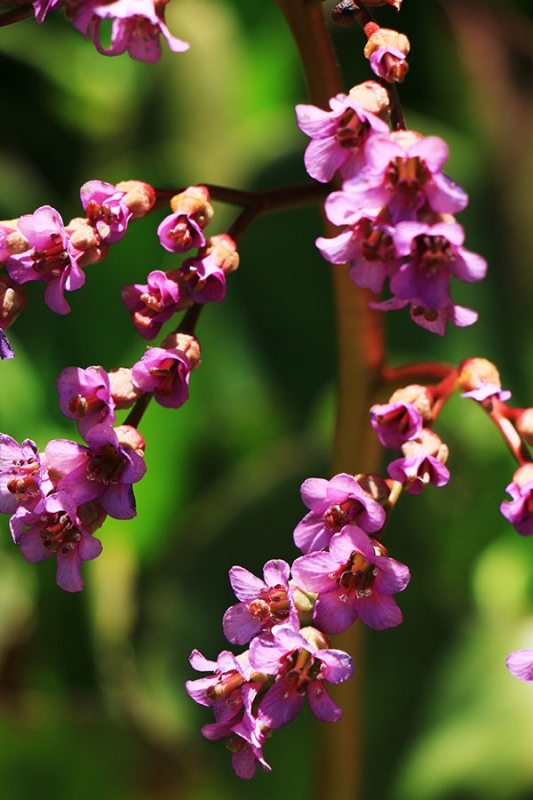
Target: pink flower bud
(372, 97)
(12, 301)
(123, 392)
(387, 50)
(139, 197)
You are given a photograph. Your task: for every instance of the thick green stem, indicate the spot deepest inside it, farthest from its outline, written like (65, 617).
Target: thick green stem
(355, 449)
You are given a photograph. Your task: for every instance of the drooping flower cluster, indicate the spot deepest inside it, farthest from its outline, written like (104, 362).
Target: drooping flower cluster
(396, 205)
(264, 688)
(136, 25)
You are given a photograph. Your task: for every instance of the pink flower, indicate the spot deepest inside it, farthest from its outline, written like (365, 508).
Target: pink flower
(104, 471)
(85, 395)
(58, 530)
(354, 579)
(180, 232)
(520, 664)
(22, 475)
(105, 209)
(204, 278)
(300, 664)
(165, 372)
(137, 25)
(338, 136)
(153, 303)
(263, 603)
(395, 423)
(423, 463)
(519, 510)
(50, 257)
(333, 504)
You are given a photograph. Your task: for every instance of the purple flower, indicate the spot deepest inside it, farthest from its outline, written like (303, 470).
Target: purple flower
(301, 662)
(57, 530)
(334, 504)
(85, 395)
(395, 423)
(105, 471)
(50, 257)
(21, 475)
(404, 174)
(43, 7)
(165, 372)
(222, 690)
(6, 351)
(354, 579)
(423, 463)
(180, 232)
(338, 136)
(137, 25)
(105, 209)
(434, 320)
(367, 244)
(520, 664)
(263, 603)
(205, 280)
(519, 510)
(153, 303)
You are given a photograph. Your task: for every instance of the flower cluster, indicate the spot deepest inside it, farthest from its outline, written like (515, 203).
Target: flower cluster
(344, 574)
(199, 279)
(396, 204)
(136, 25)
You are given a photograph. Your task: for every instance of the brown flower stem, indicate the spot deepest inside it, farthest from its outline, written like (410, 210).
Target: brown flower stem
(356, 449)
(424, 372)
(16, 15)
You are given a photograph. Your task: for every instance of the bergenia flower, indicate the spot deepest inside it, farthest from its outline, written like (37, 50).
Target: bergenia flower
(153, 303)
(104, 471)
(263, 603)
(105, 209)
(519, 510)
(137, 26)
(85, 395)
(62, 530)
(23, 477)
(301, 662)
(165, 372)
(205, 280)
(338, 136)
(520, 664)
(180, 232)
(404, 173)
(333, 504)
(423, 463)
(395, 423)
(50, 257)
(354, 579)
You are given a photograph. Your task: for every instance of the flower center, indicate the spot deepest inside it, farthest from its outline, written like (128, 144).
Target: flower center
(406, 176)
(271, 606)
(53, 260)
(80, 404)
(431, 254)
(105, 465)
(24, 483)
(350, 130)
(60, 533)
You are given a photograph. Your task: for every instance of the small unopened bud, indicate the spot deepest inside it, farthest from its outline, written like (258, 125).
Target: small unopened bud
(187, 344)
(128, 436)
(375, 486)
(16, 243)
(92, 515)
(12, 301)
(304, 602)
(476, 372)
(406, 139)
(315, 637)
(373, 97)
(387, 51)
(139, 197)
(194, 202)
(523, 475)
(524, 425)
(429, 443)
(223, 250)
(84, 237)
(345, 13)
(123, 392)
(418, 396)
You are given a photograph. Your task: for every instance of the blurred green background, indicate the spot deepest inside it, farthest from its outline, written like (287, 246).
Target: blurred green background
(91, 686)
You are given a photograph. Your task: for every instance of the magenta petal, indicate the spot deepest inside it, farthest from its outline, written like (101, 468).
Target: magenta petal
(239, 625)
(520, 664)
(68, 574)
(280, 705)
(119, 501)
(392, 576)
(245, 585)
(276, 572)
(321, 704)
(335, 611)
(379, 611)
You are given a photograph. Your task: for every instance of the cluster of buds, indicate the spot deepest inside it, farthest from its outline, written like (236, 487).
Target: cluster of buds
(345, 574)
(136, 25)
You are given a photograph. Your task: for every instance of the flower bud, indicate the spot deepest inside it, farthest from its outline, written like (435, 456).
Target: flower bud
(12, 301)
(375, 486)
(187, 344)
(345, 13)
(315, 638)
(128, 436)
(429, 443)
(524, 425)
(194, 202)
(387, 50)
(223, 251)
(139, 197)
(16, 243)
(418, 396)
(523, 475)
(123, 392)
(373, 97)
(476, 372)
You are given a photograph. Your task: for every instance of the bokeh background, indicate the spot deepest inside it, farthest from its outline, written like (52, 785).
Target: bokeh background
(91, 685)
